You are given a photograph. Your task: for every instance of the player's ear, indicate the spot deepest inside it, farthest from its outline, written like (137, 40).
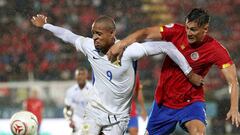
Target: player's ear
(113, 33)
(205, 27)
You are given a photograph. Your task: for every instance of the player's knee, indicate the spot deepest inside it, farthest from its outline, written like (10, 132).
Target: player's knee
(196, 131)
(196, 127)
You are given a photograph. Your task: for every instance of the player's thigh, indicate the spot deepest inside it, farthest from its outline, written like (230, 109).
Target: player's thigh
(162, 120)
(77, 121)
(116, 129)
(196, 127)
(193, 118)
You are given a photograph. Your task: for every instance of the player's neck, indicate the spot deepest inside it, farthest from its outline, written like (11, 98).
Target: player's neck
(81, 86)
(199, 43)
(105, 50)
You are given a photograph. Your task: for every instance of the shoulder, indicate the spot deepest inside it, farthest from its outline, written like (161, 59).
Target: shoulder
(84, 42)
(219, 52)
(82, 39)
(174, 26)
(89, 85)
(216, 44)
(180, 26)
(172, 30)
(72, 88)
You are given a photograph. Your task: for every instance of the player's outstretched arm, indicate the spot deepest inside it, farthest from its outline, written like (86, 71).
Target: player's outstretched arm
(116, 51)
(231, 77)
(64, 34)
(179, 59)
(137, 51)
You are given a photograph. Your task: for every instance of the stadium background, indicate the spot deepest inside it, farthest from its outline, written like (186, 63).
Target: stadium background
(31, 58)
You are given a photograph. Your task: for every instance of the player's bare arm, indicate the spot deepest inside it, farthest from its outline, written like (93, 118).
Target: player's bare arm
(116, 51)
(39, 20)
(231, 77)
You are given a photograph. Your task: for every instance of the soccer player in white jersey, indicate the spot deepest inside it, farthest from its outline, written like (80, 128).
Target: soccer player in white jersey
(108, 109)
(76, 99)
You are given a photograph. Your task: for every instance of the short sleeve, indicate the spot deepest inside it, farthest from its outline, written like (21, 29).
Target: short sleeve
(221, 57)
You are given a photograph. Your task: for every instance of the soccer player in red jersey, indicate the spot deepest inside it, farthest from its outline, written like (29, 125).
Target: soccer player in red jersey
(35, 105)
(177, 101)
(137, 96)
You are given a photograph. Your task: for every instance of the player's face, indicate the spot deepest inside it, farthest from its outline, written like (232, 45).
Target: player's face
(103, 38)
(195, 33)
(81, 77)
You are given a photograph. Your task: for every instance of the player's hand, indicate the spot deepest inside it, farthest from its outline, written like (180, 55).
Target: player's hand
(234, 116)
(39, 20)
(115, 52)
(195, 79)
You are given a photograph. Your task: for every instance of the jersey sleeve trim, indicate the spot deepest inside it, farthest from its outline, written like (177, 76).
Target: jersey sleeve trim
(226, 65)
(161, 28)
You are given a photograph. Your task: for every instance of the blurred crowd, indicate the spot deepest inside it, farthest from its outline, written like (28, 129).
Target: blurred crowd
(29, 53)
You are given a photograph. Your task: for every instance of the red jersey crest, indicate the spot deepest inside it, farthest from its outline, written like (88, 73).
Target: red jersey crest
(194, 56)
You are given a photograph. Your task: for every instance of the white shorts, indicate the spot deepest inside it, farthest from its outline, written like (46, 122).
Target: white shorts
(90, 127)
(97, 121)
(116, 129)
(77, 121)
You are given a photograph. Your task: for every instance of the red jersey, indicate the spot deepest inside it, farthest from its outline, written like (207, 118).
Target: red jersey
(36, 107)
(174, 89)
(133, 109)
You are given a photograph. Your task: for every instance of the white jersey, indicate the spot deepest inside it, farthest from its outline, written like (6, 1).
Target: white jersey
(113, 85)
(78, 98)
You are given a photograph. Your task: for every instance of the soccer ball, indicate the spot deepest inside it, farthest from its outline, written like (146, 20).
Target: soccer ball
(24, 123)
